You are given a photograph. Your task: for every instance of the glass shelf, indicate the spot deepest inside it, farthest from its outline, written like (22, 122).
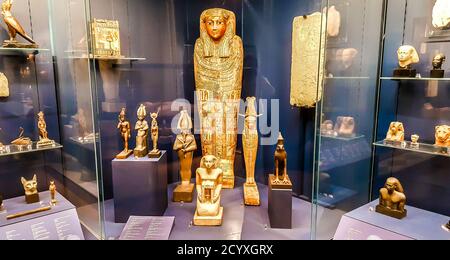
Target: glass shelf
(415, 79)
(342, 138)
(421, 148)
(345, 78)
(8, 150)
(20, 51)
(81, 55)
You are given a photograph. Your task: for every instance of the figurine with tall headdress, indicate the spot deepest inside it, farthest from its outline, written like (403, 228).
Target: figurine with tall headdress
(185, 145)
(142, 128)
(155, 152)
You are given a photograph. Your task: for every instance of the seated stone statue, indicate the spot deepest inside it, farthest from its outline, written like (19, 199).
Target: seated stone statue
(396, 132)
(392, 199)
(209, 185)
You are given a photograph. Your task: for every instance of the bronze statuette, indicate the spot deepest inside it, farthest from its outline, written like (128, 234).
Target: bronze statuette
(21, 140)
(142, 128)
(185, 145)
(52, 189)
(125, 132)
(218, 67)
(43, 134)
(392, 199)
(14, 28)
(250, 145)
(155, 152)
(31, 192)
(443, 136)
(209, 185)
(281, 179)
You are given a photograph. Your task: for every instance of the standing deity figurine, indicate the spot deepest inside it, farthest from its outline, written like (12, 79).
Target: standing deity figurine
(14, 28)
(155, 152)
(250, 145)
(52, 190)
(43, 134)
(281, 178)
(218, 67)
(142, 128)
(209, 186)
(125, 131)
(185, 145)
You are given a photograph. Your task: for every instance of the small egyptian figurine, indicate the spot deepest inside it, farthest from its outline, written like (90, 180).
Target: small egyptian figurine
(52, 189)
(407, 56)
(14, 28)
(31, 192)
(415, 141)
(21, 140)
(250, 145)
(154, 153)
(185, 146)
(125, 132)
(43, 134)
(281, 178)
(438, 61)
(209, 186)
(142, 128)
(2, 208)
(396, 132)
(392, 199)
(443, 136)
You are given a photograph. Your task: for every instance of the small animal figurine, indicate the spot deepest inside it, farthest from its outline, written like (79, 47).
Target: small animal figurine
(396, 132)
(443, 135)
(31, 192)
(52, 190)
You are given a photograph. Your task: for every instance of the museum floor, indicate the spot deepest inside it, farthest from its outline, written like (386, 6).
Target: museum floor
(240, 222)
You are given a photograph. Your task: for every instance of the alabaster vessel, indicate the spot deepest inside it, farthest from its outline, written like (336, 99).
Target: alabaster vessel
(396, 132)
(442, 136)
(218, 67)
(209, 186)
(43, 134)
(407, 56)
(280, 180)
(14, 29)
(185, 146)
(250, 145)
(31, 192)
(124, 127)
(392, 199)
(142, 128)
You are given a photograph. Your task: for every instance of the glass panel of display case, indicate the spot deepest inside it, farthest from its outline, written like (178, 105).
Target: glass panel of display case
(76, 104)
(345, 115)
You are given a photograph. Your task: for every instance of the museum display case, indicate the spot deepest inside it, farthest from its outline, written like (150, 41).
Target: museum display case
(385, 177)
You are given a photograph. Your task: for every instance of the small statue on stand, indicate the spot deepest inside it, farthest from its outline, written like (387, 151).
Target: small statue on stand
(443, 136)
(282, 181)
(185, 145)
(209, 186)
(21, 140)
(141, 127)
(392, 199)
(155, 153)
(52, 189)
(31, 192)
(250, 145)
(396, 132)
(43, 134)
(345, 126)
(125, 131)
(438, 61)
(407, 55)
(415, 141)
(14, 28)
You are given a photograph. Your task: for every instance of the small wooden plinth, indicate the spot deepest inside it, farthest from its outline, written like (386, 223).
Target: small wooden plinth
(251, 195)
(154, 154)
(405, 73)
(124, 155)
(389, 212)
(33, 198)
(208, 220)
(183, 193)
(284, 185)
